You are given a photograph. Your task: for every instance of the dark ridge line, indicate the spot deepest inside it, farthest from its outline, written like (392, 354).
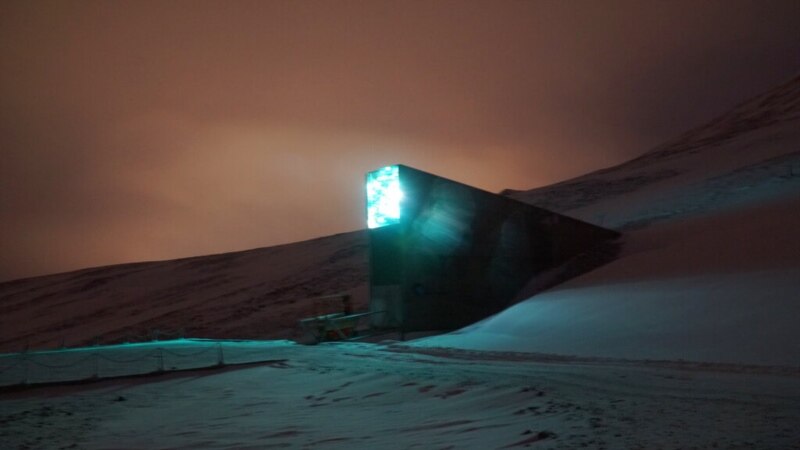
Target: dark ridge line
(233, 254)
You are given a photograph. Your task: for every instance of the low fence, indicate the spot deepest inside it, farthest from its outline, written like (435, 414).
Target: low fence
(88, 363)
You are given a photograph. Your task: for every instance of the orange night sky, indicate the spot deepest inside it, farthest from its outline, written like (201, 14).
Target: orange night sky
(149, 130)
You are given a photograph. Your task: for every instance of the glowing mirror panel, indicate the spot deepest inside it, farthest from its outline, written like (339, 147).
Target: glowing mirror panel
(384, 196)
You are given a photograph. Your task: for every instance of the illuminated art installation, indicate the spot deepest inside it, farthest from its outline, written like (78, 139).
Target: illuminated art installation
(384, 196)
(443, 254)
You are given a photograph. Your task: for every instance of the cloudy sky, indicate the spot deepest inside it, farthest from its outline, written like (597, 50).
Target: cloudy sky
(149, 130)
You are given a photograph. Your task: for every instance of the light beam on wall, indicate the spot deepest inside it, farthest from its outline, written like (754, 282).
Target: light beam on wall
(384, 196)
(443, 254)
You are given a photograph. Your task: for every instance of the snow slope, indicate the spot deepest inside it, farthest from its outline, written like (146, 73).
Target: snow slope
(258, 293)
(710, 267)
(747, 155)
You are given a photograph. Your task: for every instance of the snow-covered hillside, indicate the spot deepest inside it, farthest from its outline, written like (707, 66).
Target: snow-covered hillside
(747, 155)
(258, 293)
(710, 266)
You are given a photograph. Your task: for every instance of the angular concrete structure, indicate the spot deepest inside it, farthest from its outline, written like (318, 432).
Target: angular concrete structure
(444, 254)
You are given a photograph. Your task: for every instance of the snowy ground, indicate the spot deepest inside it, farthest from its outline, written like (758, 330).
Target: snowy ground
(371, 396)
(722, 288)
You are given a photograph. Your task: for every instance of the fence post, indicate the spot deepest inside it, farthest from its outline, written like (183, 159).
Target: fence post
(25, 368)
(160, 360)
(220, 356)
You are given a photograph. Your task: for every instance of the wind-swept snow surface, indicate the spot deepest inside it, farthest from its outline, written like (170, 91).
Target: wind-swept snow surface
(364, 396)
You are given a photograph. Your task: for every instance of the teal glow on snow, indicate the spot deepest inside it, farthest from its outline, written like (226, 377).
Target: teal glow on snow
(383, 197)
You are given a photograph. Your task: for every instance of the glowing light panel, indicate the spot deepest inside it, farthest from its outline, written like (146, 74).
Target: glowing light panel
(384, 196)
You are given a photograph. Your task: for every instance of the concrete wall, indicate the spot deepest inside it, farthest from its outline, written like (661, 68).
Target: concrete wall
(460, 254)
